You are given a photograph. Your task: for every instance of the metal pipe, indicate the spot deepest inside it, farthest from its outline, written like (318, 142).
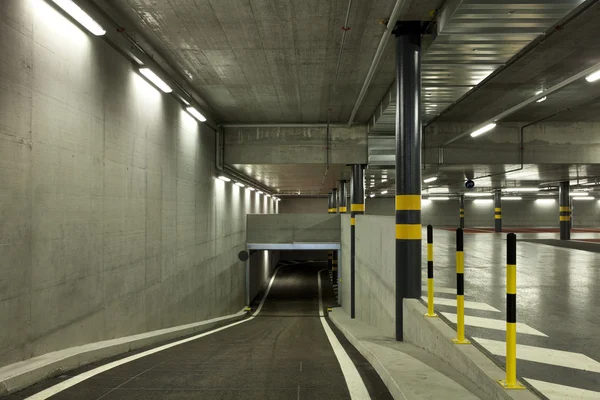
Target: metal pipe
(398, 8)
(357, 207)
(286, 125)
(564, 211)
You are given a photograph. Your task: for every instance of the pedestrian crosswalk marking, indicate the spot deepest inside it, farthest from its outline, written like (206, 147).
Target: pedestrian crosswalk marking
(496, 324)
(475, 305)
(543, 355)
(561, 392)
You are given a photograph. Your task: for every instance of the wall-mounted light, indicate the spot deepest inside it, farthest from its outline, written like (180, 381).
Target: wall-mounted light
(156, 81)
(509, 198)
(196, 114)
(521, 189)
(80, 16)
(259, 191)
(483, 130)
(439, 198)
(593, 77)
(372, 195)
(483, 201)
(477, 194)
(431, 179)
(583, 198)
(545, 201)
(384, 192)
(578, 194)
(541, 100)
(251, 189)
(240, 184)
(224, 178)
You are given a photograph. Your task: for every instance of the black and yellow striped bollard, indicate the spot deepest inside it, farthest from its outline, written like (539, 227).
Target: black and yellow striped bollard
(511, 315)
(460, 289)
(430, 292)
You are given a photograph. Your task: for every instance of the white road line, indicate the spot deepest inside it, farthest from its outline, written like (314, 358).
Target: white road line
(561, 392)
(356, 386)
(475, 305)
(496, 324)
(543, 355)
(51, 391)
(441, 289)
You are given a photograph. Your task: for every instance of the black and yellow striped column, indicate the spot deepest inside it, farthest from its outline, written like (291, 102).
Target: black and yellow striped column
(408, 166)
(460, 289)
(497, 211)
(343, 201)
(511, 315)
(430, 297)
(461, 205)
(565, 211)
(357, 207)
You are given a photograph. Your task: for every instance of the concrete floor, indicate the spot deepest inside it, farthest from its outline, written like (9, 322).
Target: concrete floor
(557, 295)
(281, 354)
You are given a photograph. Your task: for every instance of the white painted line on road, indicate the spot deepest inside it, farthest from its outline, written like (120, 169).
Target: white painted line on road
(356, 386)
(543, 355)
(561, 392)
(441, 289)
(475, 305)
(51, 391)
(496, 324)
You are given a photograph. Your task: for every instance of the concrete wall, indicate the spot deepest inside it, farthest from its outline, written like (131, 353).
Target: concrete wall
(111, 221)
(307, 205)
(294, 228)
(262, 264)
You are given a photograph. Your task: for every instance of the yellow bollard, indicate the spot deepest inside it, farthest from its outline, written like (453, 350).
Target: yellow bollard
(460, 289)
(511, 315)
(430, 311)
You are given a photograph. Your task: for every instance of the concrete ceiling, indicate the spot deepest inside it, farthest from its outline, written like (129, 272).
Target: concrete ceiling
(273, 60)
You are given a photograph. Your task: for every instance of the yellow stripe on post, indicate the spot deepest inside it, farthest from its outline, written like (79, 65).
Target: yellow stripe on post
(357, 207)
(429, 251)
(352, 221)
(511, 279)
(498, 216)
(565, 218)
(460, 262)
(343, 209)
(563, 209)
(408, 202)
(408, 231)
(497, 209)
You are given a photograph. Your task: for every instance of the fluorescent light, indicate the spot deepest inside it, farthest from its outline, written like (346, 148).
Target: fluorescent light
(425, 202)
(477, 194)
(439, 198)
(224, 178)
(196, 114)
(240, 184)
(544, 201)
(432, 179)
(521, 189)
(483, 130)
(542, 99)
(259, 191)
(583, 198)
(539, 92)
(384, 192)
(80, 16)
(578, 194)
(251, 189)
(593, 77)
(267, 194)
(512, 198)
(152, 77)
(372, 195)
(483, 201)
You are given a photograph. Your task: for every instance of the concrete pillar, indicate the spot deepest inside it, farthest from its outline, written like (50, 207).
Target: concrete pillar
(461, 205)
(334, 199)
(564, 202)
(330, 210)
(357, 207)
(497, 210)
(343, 200)
(408, 166)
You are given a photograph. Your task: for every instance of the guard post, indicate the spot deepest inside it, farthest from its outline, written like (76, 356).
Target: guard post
(430, 311)
(460, 289)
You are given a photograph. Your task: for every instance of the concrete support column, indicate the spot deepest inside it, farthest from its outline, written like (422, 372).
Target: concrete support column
(330, 210)
(334, 199)
(564, 202)
(498, 211)
(461, 205)
(343, 201)
(357, 207)
(408, 166)
(334, 259)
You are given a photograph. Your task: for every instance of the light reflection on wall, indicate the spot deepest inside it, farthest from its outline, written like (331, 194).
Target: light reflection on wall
(60, 27)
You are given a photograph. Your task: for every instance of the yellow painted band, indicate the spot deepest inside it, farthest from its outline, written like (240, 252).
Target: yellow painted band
(332, 210)
(462, 210)
(352, 221)
(511, 353)
(460, 262)
(565, 218)
(430, 296)
(343, 209)
(357, 207)
(565, 209)
(408, 202)
(334, 262)
(498, 216)
(429, 251)
(408, 231)
(497, 209)
(511, 279)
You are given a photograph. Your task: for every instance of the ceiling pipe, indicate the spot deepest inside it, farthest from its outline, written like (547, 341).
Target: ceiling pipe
(282, 125)
(398, 8)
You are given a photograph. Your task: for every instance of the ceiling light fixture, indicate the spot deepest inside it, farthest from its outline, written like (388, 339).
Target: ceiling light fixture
(384, 192)
(251, 189)
(152, 77)
(372, 195)
(539, 92)
(542, 99)
(483, 130)
(431, 179)
(521, 189)
(544, 201)
(240, 184)
(477, 194)
(578, 194)
(483, 201)
(439, 198)
(196, 114)
(224, 178)
(593, 77)
(512, 198)
(583, 198)
(80, 16)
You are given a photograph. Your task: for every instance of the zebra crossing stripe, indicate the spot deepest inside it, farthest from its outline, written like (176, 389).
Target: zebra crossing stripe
(496, 324)
(544, 355)
(475, 305)
(559, 392)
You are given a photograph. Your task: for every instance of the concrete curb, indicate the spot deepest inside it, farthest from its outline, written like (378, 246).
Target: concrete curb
(22, 374)
(435, 336)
